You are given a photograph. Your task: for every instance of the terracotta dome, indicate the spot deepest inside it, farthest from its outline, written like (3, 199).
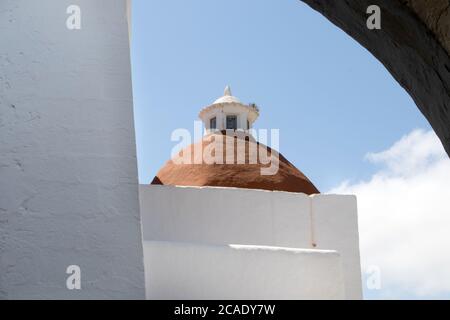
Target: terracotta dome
(248, 175)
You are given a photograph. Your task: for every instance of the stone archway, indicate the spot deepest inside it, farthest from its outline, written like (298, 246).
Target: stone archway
(413, 44)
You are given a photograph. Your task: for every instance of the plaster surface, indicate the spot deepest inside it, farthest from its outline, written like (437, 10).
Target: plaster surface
(198, 271)
(68, 171)
(223, 216)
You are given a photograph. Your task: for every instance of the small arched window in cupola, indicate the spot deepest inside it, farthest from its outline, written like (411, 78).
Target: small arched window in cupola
(213, 123)
(232, 122)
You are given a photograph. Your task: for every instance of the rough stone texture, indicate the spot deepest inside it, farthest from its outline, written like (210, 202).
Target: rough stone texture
(436, 15)
(68, 173)
(411, 45)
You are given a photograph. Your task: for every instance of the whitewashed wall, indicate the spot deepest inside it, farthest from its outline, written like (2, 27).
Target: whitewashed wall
(335, 226)
(181, 270)
(68, 173)
(255, 217)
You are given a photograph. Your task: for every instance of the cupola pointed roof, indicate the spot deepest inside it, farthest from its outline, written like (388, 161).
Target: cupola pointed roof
(227, 97)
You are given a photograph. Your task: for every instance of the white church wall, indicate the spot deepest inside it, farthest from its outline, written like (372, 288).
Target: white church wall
(335, 225)
(255, 217)
(68, 172)
(199, 271)
(225, 215)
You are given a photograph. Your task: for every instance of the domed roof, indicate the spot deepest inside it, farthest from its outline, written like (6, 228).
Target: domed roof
(227, 97)
(247, 175)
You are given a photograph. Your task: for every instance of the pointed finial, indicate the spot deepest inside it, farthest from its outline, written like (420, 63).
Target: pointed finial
(227, 91)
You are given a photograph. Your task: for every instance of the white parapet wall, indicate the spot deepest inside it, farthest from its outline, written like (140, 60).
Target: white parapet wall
(222, 216)
(182, 270)
(68, 169)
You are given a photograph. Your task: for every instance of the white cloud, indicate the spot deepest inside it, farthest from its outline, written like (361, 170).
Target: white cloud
(404, 217)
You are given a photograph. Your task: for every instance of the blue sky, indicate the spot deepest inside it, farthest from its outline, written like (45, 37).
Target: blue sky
(331, 99)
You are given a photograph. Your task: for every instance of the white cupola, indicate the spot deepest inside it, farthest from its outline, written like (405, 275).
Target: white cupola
(228, 113)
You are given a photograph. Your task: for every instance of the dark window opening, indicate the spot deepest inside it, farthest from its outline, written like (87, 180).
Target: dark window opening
(213, 123)
(232, 122)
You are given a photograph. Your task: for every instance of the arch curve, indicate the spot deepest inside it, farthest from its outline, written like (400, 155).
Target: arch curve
(413, 44)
